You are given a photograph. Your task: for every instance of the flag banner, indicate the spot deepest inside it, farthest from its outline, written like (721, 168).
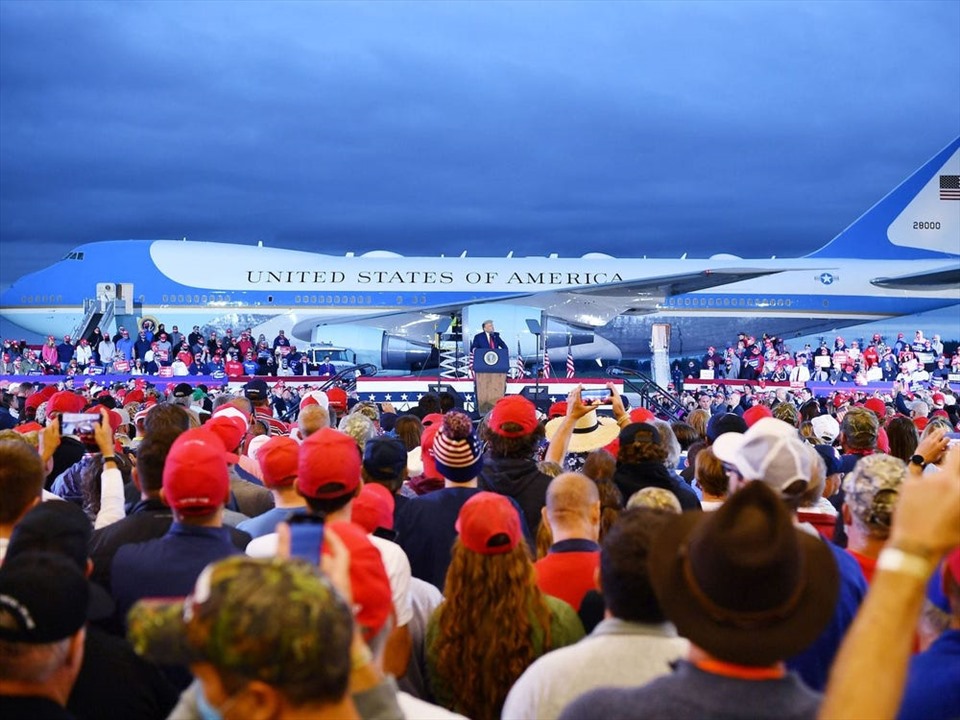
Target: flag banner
(570, 367)
(950, 187)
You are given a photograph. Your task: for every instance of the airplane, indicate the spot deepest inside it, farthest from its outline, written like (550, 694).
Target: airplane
(901, 257)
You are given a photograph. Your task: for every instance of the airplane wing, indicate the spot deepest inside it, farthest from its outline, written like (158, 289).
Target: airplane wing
(591, 305)
(595, 306)
(942, 278)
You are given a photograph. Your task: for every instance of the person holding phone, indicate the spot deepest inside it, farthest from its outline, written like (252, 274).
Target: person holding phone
(329, 479)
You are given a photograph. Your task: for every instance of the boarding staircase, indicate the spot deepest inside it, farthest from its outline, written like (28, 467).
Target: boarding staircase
(96, 313)
(652, 396)
(112, 300)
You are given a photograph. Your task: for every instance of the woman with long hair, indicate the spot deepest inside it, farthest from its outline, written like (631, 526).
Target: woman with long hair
(494, 620)
(903, 437)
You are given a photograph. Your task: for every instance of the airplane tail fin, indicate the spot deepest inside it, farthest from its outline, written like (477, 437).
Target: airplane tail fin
(920, 218)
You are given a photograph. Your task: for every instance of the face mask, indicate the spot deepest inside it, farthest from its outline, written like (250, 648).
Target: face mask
(206, 710)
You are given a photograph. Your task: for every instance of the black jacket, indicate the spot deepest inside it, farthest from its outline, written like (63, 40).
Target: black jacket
(636, 476)
(520, 479)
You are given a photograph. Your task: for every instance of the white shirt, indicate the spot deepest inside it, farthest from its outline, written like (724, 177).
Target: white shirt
(111, 498)
(413, 708)
(616, 654)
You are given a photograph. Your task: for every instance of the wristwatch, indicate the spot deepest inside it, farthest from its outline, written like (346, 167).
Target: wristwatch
(918, 460)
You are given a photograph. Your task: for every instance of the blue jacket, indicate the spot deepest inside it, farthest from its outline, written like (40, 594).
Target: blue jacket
(168, 566)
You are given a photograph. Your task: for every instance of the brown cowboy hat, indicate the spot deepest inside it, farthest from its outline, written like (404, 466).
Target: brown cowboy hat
(743, 583)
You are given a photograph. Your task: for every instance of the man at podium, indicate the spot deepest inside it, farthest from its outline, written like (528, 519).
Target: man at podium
(488, 339)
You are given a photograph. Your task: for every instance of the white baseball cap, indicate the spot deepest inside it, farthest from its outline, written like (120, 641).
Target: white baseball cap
(770, 451)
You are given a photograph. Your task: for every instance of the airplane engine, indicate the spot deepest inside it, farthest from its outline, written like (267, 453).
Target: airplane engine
(397, 353)
(511, 321)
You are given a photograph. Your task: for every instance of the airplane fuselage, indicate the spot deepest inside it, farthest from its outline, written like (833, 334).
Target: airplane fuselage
(218, 285)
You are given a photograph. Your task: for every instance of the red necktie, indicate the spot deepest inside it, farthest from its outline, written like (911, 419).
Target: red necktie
(491, 342)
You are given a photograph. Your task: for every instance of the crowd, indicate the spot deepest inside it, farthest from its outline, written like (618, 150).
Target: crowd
(156, 351)
(191, 554)
(769, 359)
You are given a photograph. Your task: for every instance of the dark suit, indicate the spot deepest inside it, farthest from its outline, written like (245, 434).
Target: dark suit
(480, 340)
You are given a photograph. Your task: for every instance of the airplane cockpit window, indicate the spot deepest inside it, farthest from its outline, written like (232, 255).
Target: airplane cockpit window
(73, 256)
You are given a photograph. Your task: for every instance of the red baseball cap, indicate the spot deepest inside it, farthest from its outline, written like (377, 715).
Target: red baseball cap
(641, 415)
(369, 583)
(373, 508)
(952, 563)
(278, 458)
(514, 409)
(426, 450)
(756, 413)
(195, 478)
(116, 419)
(65, 402)
(231, 411)
(29, 427)
(877, 407)
(558, 409)
(432, 419)
(229, 429)
(337, 399)
(489, 524)
(329, 465)
(315, 397)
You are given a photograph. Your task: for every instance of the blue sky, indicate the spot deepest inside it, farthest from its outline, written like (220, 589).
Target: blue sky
(633, 128)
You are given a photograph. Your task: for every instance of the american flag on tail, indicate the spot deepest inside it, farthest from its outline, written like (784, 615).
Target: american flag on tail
(570, 368)
(950, 187)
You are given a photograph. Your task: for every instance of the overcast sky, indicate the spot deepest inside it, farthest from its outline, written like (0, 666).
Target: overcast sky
(632, 128)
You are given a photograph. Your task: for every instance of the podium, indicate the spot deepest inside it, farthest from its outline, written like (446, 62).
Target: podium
(490, 369)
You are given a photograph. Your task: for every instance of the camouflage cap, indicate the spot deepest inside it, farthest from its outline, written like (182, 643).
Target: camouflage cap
(860, 428)
(872, 488)
(270, 619)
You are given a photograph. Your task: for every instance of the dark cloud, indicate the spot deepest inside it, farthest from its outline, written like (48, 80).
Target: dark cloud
(628, 128)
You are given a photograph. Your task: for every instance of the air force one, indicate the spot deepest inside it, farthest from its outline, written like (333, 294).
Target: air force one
(901, 257)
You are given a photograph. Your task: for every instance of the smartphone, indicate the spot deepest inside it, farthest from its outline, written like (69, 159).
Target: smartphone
(79, 424)
(598, 395)
(306, 537)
